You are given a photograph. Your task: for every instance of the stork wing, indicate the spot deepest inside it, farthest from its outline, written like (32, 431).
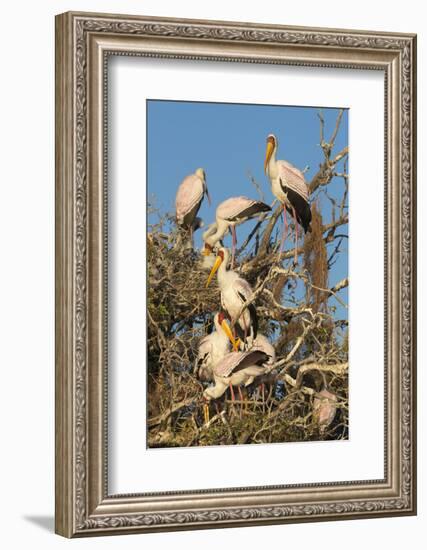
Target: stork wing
(263, 344)
(235, 361)
(243, 288)
(293, 179)
(240, 208)
(244, 292)
(254, 322)
(189, 196)
(301, 206)
(203, 354)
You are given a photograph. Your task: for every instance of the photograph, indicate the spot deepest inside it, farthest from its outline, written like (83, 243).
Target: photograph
(247, 273)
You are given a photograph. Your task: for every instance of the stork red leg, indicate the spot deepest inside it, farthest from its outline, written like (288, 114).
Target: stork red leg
(263, 396)
(232, 397)
(285, 230)
(232, 392)
(233, 245)
(241, 399)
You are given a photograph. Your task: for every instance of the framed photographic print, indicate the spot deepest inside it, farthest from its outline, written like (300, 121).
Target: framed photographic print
(235, 274)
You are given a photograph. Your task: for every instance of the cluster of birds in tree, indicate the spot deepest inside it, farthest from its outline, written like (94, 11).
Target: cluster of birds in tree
(236, 354)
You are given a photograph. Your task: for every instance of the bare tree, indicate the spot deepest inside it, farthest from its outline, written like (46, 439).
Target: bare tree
(307, 391)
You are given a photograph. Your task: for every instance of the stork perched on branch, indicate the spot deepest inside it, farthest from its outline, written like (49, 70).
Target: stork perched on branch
(289, 187)
(235, 369)
(230, 213)
(189, 198)
(324, 408)
(235, 291)
(214, 346)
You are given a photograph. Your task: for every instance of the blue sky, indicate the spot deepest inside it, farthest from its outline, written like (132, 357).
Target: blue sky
(228, 141)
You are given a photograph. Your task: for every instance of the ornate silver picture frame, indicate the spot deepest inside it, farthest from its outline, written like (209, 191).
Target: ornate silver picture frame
(84, 42)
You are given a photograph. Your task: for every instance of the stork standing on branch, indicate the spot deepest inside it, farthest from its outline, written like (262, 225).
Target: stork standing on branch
(235, 369)
(189, 198)
(212, 349)
(235, 291)
(230, 213)
(289, 187)
(214, 346)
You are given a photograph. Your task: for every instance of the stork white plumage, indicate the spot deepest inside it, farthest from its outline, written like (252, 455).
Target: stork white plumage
(189, 198)
(214, 346)
(289, 187)
(235, 291)
(212, 349)
(236, 369)
(230, 213)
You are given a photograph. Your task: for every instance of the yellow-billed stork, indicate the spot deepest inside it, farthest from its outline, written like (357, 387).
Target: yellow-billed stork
(214, 346)
(212, 349)
(230, 213)
(289, 187)
(189, 198)
(235, 291)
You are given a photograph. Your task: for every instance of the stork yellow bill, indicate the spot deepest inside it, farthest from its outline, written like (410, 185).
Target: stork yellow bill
(226, 328)
(269, 151)
(218, 262)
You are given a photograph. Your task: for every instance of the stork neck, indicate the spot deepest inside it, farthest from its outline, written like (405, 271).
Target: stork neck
(219, 330)
(209, 233)
(216, 391)
(217, 325)
(218, 231)
(272, 166)
(222, 270)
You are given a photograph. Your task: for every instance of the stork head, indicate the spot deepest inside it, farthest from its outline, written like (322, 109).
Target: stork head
(201, 173)
(222, 316)
(271, 147)
(207, 396)
(208, 245)
(219, 259)
(207, 250)
(223, 320)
